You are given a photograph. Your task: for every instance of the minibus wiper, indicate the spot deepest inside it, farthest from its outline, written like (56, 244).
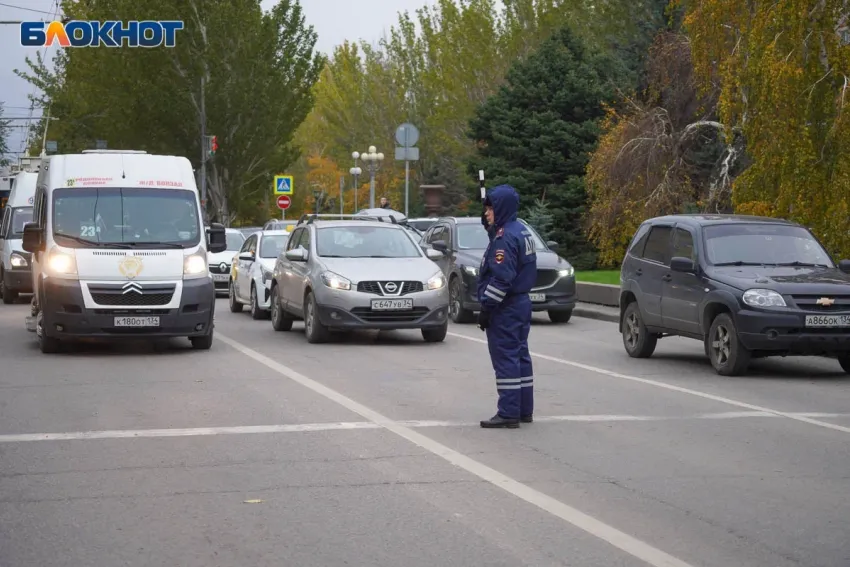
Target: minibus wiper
(88, 242)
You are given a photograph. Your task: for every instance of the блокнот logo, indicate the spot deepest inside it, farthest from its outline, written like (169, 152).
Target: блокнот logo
(110, 33)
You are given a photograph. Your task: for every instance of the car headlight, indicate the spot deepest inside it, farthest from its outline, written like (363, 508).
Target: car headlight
(437, 281)
(61, 263)
(196, 264)
(267, 275)
(17, 261)
(566, 272)
(472, 271)
(763, 298)
(335, 281)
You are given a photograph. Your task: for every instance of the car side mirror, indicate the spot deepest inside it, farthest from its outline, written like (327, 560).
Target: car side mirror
(552, 245)
(843, 265)
(247, 256)
(33, 240)
(217, 238)
(684, 265)
(296, 255)
(441, 246)
(434, 254)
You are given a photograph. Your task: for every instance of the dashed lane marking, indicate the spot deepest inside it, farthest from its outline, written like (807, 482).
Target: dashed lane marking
(621, 540)
(351, 425)
(705, 395)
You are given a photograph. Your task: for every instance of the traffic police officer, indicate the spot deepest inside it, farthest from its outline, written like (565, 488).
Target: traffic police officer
(508, 272)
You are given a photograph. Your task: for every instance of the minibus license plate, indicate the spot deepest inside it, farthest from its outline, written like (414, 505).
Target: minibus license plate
(137, 321)
(392, 304)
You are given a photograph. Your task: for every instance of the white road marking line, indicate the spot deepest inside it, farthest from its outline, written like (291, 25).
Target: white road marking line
(680, 389)
(346, 425)
(621, 540)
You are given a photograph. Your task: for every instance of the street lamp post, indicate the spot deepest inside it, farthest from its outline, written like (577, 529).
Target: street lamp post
(355, 171)
(373, 161)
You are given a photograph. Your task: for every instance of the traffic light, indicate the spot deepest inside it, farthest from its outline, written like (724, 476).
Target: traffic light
(212, 145)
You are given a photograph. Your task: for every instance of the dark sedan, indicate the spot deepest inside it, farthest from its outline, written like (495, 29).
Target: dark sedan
(463, 240)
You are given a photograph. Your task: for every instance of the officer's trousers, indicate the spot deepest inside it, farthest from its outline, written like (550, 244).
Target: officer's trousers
(507, 340)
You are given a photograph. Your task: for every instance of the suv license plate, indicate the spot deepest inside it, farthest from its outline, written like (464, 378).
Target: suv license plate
(538, 297)
(826, 321)
(392, 304)
(137, 321)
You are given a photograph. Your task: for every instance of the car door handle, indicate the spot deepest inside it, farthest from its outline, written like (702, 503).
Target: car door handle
(666, 278)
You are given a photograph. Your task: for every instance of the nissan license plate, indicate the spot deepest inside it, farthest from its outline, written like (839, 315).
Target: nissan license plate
(220, 277)
(137, 321)
(537, 297)
(828, 321)
(392, 304)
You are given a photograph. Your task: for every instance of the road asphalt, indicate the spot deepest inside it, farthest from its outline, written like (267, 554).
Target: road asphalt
(269, 451)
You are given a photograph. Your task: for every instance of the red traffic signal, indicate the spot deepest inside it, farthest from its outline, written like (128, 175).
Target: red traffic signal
(214, 144)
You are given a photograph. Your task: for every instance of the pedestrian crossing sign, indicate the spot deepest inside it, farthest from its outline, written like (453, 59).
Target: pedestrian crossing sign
(283, 185)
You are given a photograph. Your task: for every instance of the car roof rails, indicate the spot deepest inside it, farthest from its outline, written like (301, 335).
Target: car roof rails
(310, 218)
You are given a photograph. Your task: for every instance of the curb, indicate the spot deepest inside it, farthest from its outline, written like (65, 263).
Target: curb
(594, 314)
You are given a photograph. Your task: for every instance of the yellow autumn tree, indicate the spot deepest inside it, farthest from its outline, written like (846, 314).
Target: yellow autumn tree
(784, 68)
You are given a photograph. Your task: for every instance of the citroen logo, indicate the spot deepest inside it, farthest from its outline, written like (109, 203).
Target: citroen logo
(391, 287)
(132, 287)
(825, 301)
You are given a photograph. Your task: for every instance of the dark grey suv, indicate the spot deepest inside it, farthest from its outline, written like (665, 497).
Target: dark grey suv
(746, 287)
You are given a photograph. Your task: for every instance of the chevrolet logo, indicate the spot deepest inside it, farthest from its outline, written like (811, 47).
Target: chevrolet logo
(132, 287)
(825, 301)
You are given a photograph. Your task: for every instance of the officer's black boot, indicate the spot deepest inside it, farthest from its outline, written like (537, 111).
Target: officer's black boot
(498, 421)
(526, 419)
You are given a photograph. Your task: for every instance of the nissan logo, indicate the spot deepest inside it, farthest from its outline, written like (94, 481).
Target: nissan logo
(222, 267)
(391, 287)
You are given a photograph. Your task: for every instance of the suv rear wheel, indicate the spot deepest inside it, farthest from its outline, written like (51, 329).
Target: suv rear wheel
(638, 341)
(728, 356)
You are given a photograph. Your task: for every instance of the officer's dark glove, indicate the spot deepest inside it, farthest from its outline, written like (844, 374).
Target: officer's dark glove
(483, 319)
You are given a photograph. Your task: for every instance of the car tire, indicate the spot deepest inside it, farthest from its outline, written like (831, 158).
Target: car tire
(313, 328)
(637, 340)
(456, 311)
(436, 334)
(47, 345)
(727, 355)
(7, 295)
(560, 316)
(281, 321)
(256, 312)
(844, 361)
(203, 342)
(235, 306)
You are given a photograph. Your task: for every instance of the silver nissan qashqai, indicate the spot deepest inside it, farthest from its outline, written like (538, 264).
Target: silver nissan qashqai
(357, 272)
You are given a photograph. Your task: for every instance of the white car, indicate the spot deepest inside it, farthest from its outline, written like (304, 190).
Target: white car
(251, 275)
(220, 263)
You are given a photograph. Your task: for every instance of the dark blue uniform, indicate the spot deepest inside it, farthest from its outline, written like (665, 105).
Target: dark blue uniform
(507, 274)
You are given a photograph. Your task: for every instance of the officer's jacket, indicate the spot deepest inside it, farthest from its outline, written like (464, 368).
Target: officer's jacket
(509, 265)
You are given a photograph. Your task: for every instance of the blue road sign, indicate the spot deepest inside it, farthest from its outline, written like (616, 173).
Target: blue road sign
(283, 185)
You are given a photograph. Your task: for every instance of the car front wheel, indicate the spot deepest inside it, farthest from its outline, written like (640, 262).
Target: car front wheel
(456, 311)
(728, 356)
(638, 341)
(313, 328)
(436, 334)
(560, 316)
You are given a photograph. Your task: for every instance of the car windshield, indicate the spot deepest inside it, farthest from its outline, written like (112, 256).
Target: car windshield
(365, 241)
(234, 241)
(474, 237)
(103, 216)
(763, 244)
(272, 245)
(20, 217)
